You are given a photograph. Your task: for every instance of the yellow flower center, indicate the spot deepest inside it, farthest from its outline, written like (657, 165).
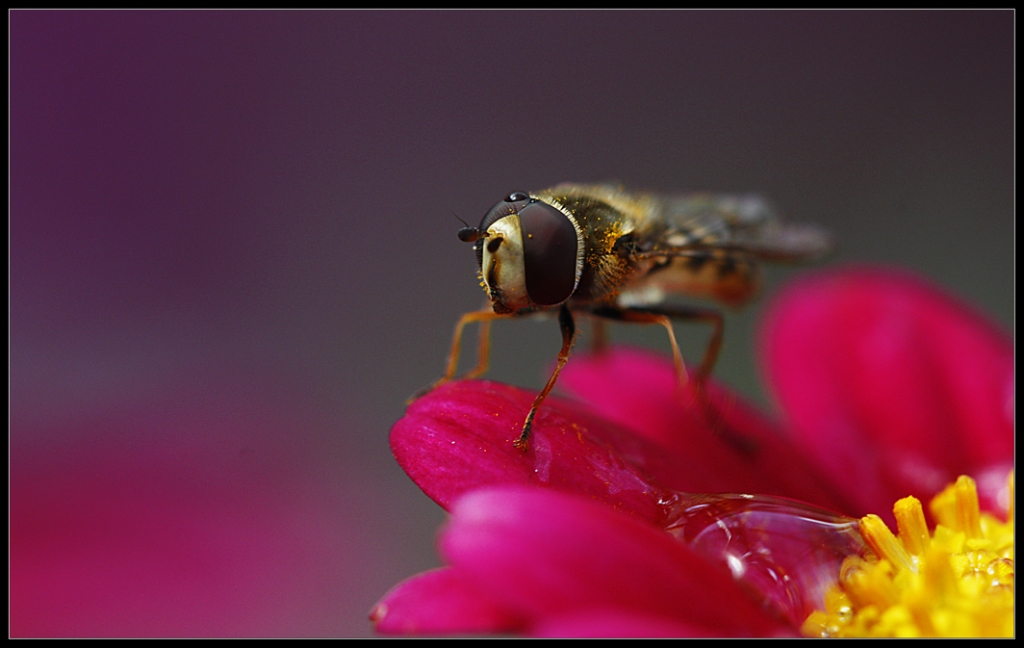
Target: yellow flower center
(955, 582)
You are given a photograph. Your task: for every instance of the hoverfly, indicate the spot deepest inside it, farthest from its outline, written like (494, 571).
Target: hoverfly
(598, 250)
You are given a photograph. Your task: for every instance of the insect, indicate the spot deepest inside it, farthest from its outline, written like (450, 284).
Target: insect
(598, 250)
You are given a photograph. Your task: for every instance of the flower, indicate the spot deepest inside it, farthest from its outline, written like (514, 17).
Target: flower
(202, 509)
(955, 582)
(893, 385)
(888, 388)
(542, 546)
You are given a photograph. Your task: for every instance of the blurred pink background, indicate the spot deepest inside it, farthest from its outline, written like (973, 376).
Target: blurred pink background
(233, 257)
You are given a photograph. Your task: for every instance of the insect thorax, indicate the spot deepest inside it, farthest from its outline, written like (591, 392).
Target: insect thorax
(623, 232)
(605, 217)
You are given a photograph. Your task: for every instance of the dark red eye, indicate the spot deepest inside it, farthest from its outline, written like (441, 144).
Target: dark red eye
(512, 204)
(505, 208)
(549, 253)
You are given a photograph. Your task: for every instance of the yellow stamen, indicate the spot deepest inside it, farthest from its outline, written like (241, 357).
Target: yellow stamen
(885, 544)
(955, 582)
(910, 525)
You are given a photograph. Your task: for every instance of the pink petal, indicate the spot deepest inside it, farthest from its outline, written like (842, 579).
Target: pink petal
(146, 534)
(724, 444)
(896, 387)
(546, 554)
(599, 623)
(459, 438)
(440, 601)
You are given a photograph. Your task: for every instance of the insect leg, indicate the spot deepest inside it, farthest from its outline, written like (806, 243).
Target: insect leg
(708, 315)
(485, 317)
(645, 317)
(712, 413)
(663, 316)
(598, 335)
(483, 352)
(568, 327)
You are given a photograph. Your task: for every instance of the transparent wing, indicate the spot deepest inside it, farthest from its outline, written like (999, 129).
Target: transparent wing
(695, 224)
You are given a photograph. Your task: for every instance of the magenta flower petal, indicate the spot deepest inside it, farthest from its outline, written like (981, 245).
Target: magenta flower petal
(440, 601)
(545, 554)
(616, 623)
(727, 445)
(891, 389)
(459, 438)
(893, 386)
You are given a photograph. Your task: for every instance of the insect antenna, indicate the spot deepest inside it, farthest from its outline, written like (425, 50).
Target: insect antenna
(469, 234)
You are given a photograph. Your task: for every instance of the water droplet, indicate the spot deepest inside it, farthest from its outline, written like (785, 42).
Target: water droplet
(786, 552)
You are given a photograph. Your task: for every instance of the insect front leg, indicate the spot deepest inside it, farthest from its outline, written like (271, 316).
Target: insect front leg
(483, 352)
(568, 327)
(485, 317)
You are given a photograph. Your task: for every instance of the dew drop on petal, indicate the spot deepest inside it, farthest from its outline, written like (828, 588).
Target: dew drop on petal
(785, 552)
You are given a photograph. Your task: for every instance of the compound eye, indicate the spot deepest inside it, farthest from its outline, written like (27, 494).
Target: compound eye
(504, 208)
(549, 253)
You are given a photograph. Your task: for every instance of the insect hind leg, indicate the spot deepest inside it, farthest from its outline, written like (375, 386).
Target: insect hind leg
(693, 314)
(598, 335)
(664, 317)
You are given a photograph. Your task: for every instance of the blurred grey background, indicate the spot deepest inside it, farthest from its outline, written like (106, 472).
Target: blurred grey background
(233, 256)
